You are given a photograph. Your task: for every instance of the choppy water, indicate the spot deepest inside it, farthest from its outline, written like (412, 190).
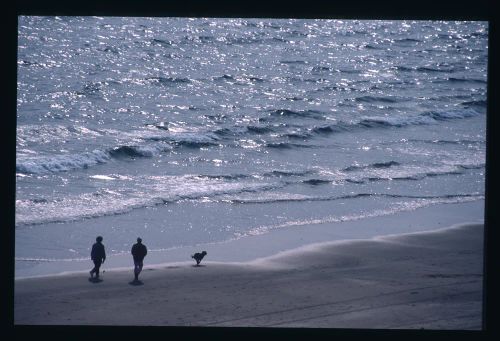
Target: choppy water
(223, 128)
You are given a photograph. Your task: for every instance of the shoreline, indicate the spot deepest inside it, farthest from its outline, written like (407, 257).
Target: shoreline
(251, 248)
(261, 261)
(430, 280)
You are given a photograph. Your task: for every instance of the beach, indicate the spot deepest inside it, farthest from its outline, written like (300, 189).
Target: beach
(429, 280)
(333, 171)
(252, 135)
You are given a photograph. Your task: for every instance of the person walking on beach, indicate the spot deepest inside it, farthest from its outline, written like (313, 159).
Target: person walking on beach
(139, 251)
(98, 256)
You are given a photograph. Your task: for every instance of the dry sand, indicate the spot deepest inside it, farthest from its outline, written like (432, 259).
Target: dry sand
(429, 280)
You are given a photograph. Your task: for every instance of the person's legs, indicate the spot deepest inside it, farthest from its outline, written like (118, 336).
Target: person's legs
(94, 269)
(97, 265)
(137, 269)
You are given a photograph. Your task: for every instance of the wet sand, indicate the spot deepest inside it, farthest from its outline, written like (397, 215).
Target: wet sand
(430, 280)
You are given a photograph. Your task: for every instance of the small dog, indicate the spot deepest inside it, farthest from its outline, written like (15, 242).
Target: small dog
(199, 256)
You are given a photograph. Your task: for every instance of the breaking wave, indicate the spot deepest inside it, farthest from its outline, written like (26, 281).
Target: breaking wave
(295, 198)
(60, 163)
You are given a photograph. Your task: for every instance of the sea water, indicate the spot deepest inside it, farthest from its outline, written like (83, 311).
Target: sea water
(188, 131)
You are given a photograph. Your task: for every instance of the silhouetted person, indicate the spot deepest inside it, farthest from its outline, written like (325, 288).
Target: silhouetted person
(98, 256)
(139, 251)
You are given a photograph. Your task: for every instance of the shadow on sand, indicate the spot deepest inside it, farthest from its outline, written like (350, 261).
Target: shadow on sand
(136, 282)
(95, 280)
(198, 266)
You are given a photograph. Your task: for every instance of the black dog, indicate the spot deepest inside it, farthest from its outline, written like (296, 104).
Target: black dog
(199, 256)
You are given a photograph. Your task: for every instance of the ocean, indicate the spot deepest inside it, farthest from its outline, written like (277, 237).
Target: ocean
(190, 132)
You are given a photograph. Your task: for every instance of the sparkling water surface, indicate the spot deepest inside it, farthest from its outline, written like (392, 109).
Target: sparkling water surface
(188, 131)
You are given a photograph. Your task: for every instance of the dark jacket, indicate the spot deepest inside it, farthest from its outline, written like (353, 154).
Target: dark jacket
(98, 252)
(139, 251)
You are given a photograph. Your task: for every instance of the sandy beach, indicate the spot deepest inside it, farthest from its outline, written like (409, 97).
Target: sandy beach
(333, 170)
(429, 280)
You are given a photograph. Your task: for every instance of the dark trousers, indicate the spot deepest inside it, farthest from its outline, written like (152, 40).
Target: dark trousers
(97, 265)
(137, 267)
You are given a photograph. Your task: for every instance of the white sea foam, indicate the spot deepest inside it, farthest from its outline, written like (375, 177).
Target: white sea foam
(394, 209)
(150, 191)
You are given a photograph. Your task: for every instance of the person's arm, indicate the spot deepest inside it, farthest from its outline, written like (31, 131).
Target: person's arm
(103, 254)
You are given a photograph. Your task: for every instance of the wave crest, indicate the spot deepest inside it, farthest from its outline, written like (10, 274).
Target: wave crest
(60, 163)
